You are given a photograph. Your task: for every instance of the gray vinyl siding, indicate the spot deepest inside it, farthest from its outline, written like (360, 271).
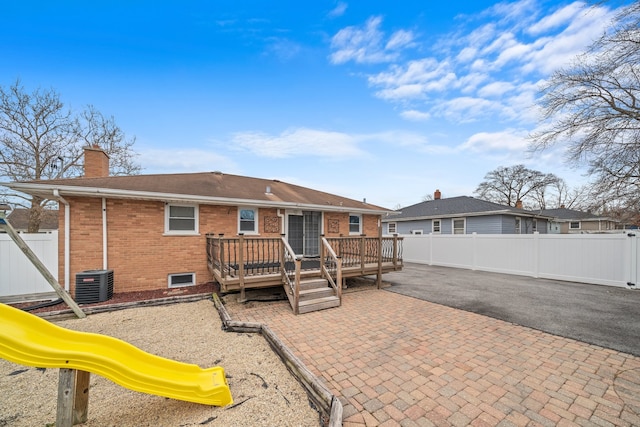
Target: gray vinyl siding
(490, 224)
(406, 227)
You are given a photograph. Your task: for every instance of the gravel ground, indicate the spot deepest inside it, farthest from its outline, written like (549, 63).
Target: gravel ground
(263, 390)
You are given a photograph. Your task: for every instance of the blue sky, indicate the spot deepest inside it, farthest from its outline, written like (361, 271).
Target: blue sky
(381, 100)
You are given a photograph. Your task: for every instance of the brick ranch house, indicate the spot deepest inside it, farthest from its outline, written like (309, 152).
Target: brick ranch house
(171, 230)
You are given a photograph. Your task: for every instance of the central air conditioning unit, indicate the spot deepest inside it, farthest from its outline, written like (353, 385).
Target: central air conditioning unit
(94, 286)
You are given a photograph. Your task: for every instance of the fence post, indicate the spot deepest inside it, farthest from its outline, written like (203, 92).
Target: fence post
(474, 250)
(536, 254)
(633, 256)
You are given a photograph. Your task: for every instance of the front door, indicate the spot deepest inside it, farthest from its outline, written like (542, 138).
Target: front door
(303, 233)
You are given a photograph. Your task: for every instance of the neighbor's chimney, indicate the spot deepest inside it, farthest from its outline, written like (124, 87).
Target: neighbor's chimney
(437, 195)
(518, 204)
(96, 162)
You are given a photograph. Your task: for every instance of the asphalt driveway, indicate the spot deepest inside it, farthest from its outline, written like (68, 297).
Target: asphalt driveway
(603, 315)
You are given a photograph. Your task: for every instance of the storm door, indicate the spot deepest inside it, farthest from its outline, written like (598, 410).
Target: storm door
(303, 233)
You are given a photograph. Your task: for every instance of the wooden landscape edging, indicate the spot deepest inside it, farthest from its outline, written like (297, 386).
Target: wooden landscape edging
(329, 404)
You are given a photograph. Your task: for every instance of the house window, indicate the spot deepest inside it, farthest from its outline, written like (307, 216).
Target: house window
(574, 225)
(435, 226)
(518, 224)
(248, 221)
(355, 224)
(181, 219)
(534, 225)
(417, 232)
(392, 228)
(182, 279)
(458, 226)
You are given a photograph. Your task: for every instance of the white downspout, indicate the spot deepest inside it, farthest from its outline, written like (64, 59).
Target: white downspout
(104, 234)
(67, 227)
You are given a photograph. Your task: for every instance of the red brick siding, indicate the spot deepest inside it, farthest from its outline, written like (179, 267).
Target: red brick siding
(139, 252)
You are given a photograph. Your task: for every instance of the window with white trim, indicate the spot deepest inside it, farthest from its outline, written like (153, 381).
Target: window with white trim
(248, 220)
(435, 226)
(182, 279)
(180, 219)
(518, 225)
(355, 224)
(574, 225)
(416, 232)
(392, 228)
(534, 225)
(458, 225)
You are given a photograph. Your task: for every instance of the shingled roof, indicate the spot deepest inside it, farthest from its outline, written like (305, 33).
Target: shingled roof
(456, 206)
(19, 219)
(564, 214)
(205, 187)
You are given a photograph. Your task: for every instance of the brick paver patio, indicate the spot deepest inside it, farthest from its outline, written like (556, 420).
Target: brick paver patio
(396, 360)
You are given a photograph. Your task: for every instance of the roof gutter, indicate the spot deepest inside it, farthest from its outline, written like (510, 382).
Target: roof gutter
(184, 198)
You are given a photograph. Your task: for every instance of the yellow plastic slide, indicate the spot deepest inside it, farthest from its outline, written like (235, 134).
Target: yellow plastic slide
(29, 340)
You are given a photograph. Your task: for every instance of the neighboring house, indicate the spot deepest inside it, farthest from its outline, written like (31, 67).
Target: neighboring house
(463, 215)
(572, 221)
(159, 231)
(19, 220)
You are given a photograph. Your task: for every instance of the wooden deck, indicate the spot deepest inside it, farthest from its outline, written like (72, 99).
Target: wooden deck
(242, 263)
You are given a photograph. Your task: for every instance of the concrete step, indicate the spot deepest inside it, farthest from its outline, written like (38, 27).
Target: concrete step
(318, 304)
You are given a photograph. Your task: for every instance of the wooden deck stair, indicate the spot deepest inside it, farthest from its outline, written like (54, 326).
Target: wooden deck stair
(315, 294)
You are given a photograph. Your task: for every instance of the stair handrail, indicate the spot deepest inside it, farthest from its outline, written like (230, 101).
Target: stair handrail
(294, 285)
(333, 259)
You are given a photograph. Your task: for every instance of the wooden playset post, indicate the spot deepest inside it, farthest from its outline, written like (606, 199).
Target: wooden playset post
(73, 397)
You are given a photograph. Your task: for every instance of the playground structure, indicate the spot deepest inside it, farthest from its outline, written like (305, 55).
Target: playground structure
(29, 340)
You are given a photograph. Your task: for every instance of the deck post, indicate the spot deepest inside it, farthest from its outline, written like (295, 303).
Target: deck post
(395, 251)
(362, 254)
(73, 397)
(240, 250)
(296, 293)
(221, 254)
(379, 275)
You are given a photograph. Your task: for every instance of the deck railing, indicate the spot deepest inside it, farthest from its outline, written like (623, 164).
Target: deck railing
(291, 266)
(362, 250)
(331, 267)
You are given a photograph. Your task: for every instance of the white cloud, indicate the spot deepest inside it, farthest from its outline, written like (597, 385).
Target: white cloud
(400, 39)
(298, 142)
(558, 18)
(415, 115)
(467, 109)
(367, 44)
(180, 161)
(495, 89)
(509, 140)
(339, 10)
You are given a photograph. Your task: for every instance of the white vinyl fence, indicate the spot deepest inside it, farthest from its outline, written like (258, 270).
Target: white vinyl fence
(603, 259)
(18, 276)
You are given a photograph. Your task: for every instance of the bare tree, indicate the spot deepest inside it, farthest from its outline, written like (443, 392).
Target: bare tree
(571, 198)
(508, 185)
(593, 107)
(41, 139)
